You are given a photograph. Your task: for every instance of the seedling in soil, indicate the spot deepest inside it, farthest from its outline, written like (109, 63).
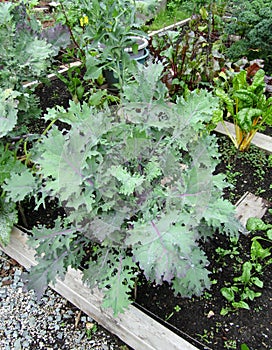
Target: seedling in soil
(206, 336)
(176, 309)
(230, 344)
(244, 286)
(231, 252)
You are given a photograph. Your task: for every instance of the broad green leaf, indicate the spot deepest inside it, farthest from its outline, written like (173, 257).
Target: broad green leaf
(18, 186)
(250, 294)
(241, 305)
(224, 311)
(239, 81)
(257, 282)
(228, 293)
(226, 99)
(248, 99)
(269, 234)
(94, 69)
(258, 252)
(246, 274)
(256, 224)
(245, 117)
(258, 81)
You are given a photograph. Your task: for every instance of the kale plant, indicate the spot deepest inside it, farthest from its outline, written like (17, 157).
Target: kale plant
(24, 57)
(9, 164)
(252, 21)
(138, 187)
(26, 54)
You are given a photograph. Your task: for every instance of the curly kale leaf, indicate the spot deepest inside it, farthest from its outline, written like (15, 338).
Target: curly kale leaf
(114, 272)
(62, 249)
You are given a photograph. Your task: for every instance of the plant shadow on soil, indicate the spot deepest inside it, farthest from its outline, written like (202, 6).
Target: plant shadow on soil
(199, 317)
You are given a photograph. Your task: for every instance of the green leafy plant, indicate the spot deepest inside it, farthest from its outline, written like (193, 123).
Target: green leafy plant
(232, 252)
(242, 289)
(192, 56)
(244, 286)
(246, 104)
(138, 186)
(251, 20)
(101, 33)
(24, 57)
(244, 347)
(9, 164)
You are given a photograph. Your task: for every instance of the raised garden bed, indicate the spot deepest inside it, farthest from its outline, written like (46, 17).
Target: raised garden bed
(136, 337)
(199, 322)
(134, 327)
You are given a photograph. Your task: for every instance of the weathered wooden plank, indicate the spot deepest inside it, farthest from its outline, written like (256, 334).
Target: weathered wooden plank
(171, 27)
(62, 69)
(250, 206)
(260, 140)
(133, 327)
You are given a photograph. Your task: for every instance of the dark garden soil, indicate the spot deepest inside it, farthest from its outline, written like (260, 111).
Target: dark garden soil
(199, 318)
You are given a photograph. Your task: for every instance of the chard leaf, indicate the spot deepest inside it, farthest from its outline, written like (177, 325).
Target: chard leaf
(227, 100)
(258, 82)
(247, 98)
(245, 117)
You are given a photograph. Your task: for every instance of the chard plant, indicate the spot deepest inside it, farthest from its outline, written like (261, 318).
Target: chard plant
(246, 103)
(139, 192)
(192, 56)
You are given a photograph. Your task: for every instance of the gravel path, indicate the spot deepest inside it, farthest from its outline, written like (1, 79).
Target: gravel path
(52, 323)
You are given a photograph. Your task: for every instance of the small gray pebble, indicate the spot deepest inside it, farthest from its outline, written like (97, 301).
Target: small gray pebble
(60, 335)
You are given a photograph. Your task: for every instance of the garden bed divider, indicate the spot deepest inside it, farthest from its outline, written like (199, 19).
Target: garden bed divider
(170, 27)
(62, 69)
(133, 327)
